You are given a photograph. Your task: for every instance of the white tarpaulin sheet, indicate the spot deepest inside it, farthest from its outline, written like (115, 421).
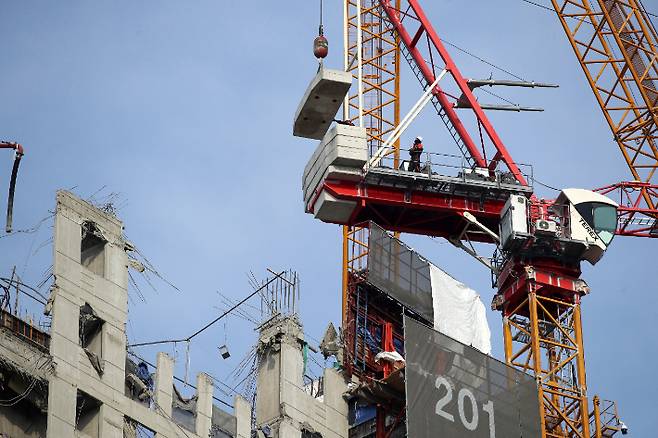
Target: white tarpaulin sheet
(459, 312)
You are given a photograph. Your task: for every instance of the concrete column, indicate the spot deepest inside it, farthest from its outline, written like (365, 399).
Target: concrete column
(268, 399)
(334, 385)
(281, 365)
(292, 363)
(62, 388)
(114, 354)
(337, 412)
(164, 382)
(288, 430)
(68, 234)
(61, 409)
(111, 422)
(243, 417)
(204, 391)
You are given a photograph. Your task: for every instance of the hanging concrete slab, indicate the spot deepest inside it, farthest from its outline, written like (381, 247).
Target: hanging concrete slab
(320, 103)
(342, 145)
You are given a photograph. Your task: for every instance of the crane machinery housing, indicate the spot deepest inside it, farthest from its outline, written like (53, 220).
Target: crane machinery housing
(355, 176)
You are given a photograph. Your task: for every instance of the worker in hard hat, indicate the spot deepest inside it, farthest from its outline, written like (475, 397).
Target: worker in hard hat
(414, 153)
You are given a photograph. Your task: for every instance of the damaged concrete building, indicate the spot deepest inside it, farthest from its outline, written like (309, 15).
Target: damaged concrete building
(285, 407)
(77, 378)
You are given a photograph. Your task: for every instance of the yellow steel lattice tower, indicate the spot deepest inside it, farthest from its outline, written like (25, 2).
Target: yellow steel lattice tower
(543, 337)
(372, 55)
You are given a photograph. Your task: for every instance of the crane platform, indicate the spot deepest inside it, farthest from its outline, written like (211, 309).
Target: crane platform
(340, 187)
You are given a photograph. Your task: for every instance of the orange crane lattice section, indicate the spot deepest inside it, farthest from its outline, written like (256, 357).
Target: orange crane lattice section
(617, 46)
(380, 96)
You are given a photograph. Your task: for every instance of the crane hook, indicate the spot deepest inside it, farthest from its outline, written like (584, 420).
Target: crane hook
(320, 44)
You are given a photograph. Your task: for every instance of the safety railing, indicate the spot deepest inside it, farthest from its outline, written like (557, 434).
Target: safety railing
(433, 165)
(604, 420)
(24, 329)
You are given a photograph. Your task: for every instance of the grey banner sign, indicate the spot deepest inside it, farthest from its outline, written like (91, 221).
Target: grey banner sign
(454, 390)
(400, 272)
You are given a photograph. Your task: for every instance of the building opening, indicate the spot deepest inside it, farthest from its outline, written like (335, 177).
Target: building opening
(92, 248)
(87, 415)
(91, 336)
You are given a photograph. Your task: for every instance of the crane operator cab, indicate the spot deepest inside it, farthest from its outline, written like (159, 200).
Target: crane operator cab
(578, 225)
(593, 219)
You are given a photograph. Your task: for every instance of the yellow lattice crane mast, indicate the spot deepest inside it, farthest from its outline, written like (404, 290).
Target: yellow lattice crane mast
(372, 55)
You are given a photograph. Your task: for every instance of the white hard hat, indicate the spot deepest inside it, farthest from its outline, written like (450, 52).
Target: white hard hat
(419, 138)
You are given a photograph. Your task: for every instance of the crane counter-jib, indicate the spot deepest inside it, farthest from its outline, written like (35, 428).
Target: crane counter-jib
(339, 189)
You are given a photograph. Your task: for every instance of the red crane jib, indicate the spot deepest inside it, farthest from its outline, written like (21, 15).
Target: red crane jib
(416, 14)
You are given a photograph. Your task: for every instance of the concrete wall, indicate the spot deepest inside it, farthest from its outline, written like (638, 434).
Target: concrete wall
(105, 290)
(22, 421)
(282, 403)
(80, 384)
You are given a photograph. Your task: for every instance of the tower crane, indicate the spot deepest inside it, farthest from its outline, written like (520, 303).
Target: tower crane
(540, 243)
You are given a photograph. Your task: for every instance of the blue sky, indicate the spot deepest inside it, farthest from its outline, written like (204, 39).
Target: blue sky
(184, 109)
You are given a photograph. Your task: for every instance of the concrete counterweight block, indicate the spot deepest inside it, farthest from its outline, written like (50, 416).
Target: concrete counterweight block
(320, 103)
(341, 156)
(329, 209)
